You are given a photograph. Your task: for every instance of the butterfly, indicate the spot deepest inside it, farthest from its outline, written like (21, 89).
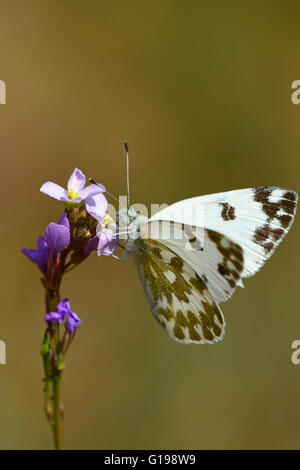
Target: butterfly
(192, 255)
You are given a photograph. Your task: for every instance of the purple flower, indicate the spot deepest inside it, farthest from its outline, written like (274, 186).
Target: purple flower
(73, 321)
(76, 191)
(91, 246)
(63, 311)
(56, 239)
(108, 241)
(107, 235)
(96, 206)
(63, 308)
(53, 317)
(39, 256)
(64, 221)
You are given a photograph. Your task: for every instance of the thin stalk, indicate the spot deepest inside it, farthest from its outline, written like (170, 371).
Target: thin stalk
(57, 415)
(53, 373)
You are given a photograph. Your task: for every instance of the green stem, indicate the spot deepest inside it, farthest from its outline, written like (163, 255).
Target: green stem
(57, 414)
(53, 371)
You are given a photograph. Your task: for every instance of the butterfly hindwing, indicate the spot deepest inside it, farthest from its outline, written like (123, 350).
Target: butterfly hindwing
(178, 297)
(216, 259)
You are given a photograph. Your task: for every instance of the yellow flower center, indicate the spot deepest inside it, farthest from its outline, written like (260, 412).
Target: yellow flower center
(72, 194)
(107, 220)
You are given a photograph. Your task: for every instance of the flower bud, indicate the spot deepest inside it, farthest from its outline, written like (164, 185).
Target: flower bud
(81, 239)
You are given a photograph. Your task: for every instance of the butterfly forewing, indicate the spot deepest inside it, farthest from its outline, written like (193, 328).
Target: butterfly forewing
(178, 297)
(257, 219)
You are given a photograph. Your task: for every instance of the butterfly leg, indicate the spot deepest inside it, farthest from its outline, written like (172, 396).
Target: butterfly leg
(123, 259)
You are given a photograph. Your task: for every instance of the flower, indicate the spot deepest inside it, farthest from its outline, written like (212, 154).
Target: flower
(63, 311)
(39, 256)
(63, 308)
(96, 206)
(76, 191)
(73, 322)
(106, 232)
(64, 221)
(53, 317)
(91, 246)
(56, 239)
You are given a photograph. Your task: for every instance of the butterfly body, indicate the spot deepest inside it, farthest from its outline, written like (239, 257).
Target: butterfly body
(192, 255)
(130, 220)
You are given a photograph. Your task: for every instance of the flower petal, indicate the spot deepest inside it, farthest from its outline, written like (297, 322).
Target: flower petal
(41, 243)
(91, 191)
(108, 241)
(72, 322)
(64, 308)
(54, 190)
(91, 246)
(53, 317)
(96, 206)
(57, 238)
(76, 181)
(43, 250)
(32, 255)
(39, 256)
(64, 221)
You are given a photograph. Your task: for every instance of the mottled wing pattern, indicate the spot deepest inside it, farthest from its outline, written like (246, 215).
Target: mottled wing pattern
(257, 219)
(178, 298)
(216, 259)
(279, 208)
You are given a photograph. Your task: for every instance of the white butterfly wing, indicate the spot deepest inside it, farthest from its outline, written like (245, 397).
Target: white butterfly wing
(216, 259)
(178, 298)
(256, 219)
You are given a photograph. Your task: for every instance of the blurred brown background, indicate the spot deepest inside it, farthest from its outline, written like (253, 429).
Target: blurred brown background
(202, 92)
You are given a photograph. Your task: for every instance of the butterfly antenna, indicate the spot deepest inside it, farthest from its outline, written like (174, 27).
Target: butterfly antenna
(91, 180)
(127, 173)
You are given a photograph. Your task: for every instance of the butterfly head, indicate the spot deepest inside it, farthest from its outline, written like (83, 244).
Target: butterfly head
(130, 223)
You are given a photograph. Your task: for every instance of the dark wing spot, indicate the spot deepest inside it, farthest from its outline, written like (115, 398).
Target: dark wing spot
(222, 270)
(262, 194)
(165, 312)
(285, 220)
(232, 264)
(268, 247)
(290, 195)
(177, 263)
(208, 323)
(286, 204)
(193, 322)
(267, 232)
(282, 210)
(199, 284)
(156, 251)
(228, 212)
(277, 233)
